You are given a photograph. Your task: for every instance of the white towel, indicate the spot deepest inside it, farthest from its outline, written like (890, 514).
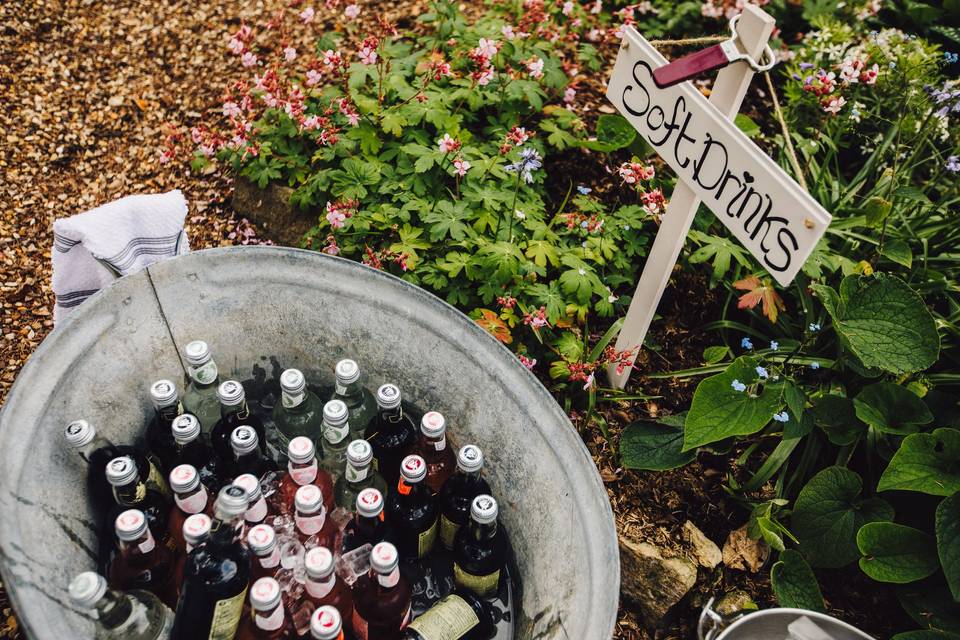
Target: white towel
(92, 249)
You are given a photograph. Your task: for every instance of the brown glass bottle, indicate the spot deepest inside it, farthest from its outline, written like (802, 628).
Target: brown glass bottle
(314, 526)
(458, 493)
(368, 525)
(216, 575)
(326, 624)
(412, 511)
(303, 469)
(381, 599)
(433, 447)
(392, 435)
(323, 587)
(189, 496)
(269, 620)
(166, 406)
(195, 532)
(234, 412)
(129, 492)
(262, 540)
(140, 562)
(479, 553)
(459, 616)
(192, 450)
(248, 457)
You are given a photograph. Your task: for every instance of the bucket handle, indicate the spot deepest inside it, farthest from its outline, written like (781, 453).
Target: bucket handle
(712, 623)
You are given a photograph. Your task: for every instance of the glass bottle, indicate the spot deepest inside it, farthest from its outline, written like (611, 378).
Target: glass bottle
(360, 402)
(247, 453)
(458, 493)
(200, 394)
(234, 412)
(268, 621)
(323, 587)
(368, 525)
(412, 510)
(479, 554)
(358, 475)
(459, 616)
(190, 497)
(141, 563)
(256, 504)
(262, 540)
(134, 615)
(432, 447)
(216, 575)
(303, 469)
(326, 624)
(192, 450)
(381, 599)
(130, 492)
(336, 431)
(391, 435)
(166, 405)
(313, 525)
(299, 412)
(195, 532)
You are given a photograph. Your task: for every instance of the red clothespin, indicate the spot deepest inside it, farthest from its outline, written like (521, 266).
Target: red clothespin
(711, 58)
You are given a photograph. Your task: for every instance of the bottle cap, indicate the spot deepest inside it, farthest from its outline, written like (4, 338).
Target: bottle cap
(249, 483)
(185, 428)
(230, 393)
(335, 413)
(196, 528)
(470, 458)
(325, 623)
(359, 453)
(484, 509)
(121, 471)
(87, 589)
(244, 439)
(384, 558)
(80, 433)
(370, 503)
(262, 539)
(318, 563)
(413, 469)
(301, 450)
(163, 393)
(292, 381)
(347, 371)
(388, 396)
(433, 424)
(265, 594)
(308, 499)
(130, 525)
(184, 478)
(197, 353)
(231, 502)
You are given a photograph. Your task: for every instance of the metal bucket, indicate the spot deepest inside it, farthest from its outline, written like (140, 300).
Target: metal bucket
(263, 309)
(771, 624)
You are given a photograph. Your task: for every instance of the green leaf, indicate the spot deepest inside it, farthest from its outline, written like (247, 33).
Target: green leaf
(876, 210)
(750, 128)
(929, 604)
(838, 419)
(896, 553)
(542, 252)
(613, 132)
(890, 408)
(794, 584)
(720, 251)
(898, 251)
(570, 347)
(883, 322)
(653, 446)
(828, 513)
(948, 541)
(393, 122)
(925, 462)
(713, 355)
(577, 283)
(926, 634)
(718, 411)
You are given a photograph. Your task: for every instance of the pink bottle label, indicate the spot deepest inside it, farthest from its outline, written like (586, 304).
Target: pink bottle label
(272, 560)
(257, 512)
(309, 525)
(303, 475)
(320, 589)
(193, 504)
(271, 622)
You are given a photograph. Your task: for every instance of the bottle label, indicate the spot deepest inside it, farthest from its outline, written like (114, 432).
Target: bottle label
(205, 373)
(452, 617)
(226, 617)
(483, 586)
(257, 512)
(341, 389)
(291, 400)
(356, 475)
(148, 543)
(390, 580)
(194, 503)
(272, 560)
(448, 531)
(334, 435)
(311, 524)
(360, 626)
(303, 475)
(440, 444)
(155, 478)
(271, 622)
(319, 589)
(427, 539)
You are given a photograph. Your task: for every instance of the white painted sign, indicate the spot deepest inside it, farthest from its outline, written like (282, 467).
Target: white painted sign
(769, 213)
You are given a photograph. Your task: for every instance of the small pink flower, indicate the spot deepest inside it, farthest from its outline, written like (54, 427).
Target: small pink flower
(535, 67)
(335, 216)
(597, 7)
(368, 55)
(236, 46)
(567, 8)
(448, 144)
(307, 15)
(196, 135)
(166, 156)
(529, 363)
(231, 109)
(312, 122)
(833, 104)
(486, 76)
(331, 249)
(594, 35)
(249, 59)
(333, 58)
(869, 76)
(589, 382)
(462, 166)
(536, 319)
(633, 172)
(487, 48)
(207, 150)
(508, 32)
(352, 11)
(569, 95)
(313, 78)
(518, 135)
(289, 54)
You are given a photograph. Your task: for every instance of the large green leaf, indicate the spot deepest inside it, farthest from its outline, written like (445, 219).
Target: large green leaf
(613, 132)
(719, 411)
(883, 322)
(794, 584)
(948, 541)
(929, 603)
(925, 462)
(896, 553)
(891, 408)
(653, 446)
(926, 634)
(828, 513)
(838, 418)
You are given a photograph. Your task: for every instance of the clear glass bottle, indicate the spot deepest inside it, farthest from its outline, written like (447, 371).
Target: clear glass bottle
(234, 412)
(368, 525)
(336, 432)
(166, 405)
(358, 475)
(130, 492)
(326, 624)
(381, 599)
(189, 497)
(299, 412)
(216, 576)
(134, 615)
(323, 587)
(479, 553)
(247, 453)
(412, 511)
(391, 435)
(200, 393)
(314, 527)
(268, 621)
(458, 493)
(257, 505)
(360, 402)
(433, 448)
(303, 468)
(459, 616)
(140, 562)
(262, 540)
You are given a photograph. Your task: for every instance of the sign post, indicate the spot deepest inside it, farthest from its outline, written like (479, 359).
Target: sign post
(774, 218)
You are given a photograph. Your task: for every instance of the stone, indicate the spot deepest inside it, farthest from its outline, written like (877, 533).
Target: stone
(734, 603)
(270, 209)
(742, 552)
(652, 582)
(703, 550)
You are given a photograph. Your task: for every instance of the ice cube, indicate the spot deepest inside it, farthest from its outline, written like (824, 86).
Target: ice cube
(290, 585)
(354, 564)
(300, 613)
(269, 483)
(341, 517)
(291, 554)
(284, 525)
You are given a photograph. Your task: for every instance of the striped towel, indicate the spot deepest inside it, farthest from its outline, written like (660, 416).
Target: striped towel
(92, 249)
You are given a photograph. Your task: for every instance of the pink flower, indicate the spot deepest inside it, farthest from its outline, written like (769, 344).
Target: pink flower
(289, 54)
(569, 95)
(486, 76)
(352, 11)
(313, 78)
(567, 8)
(166, 156)
(535, 67)
(594, 35)
(231, 109)
(368, 55)
(448, 144)
(462, 166)
(312, 122)
(833, 104)
(633, 172)
(529, 363)
(518, 135)
(589, 382)
(347, 109)
(307, 15)
(236, 46)
(654, 201)
(207, 150)
(597, 7)
(244, 33)
(331, 249)
(850, 70)
(536, 319)
(333, 58)
(248, 59)
(508, 32)
(335, 216)
(869, 76)
(487, 48)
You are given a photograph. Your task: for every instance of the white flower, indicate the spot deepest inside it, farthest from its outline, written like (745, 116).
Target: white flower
(597, 7)
(567, 8)
(535, 67)
(289, 54)
(352, 11)
(520, 214)
(307, 14)
(508, 32)
(447, 144)
(487, 48)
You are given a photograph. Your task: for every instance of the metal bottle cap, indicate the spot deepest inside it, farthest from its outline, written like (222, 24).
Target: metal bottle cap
(130, 525)
(484, 509)
(244, 439)
(197, 353)
(262, 539)
(249, 483)
(231, 502)
(87, 589)
(335, 413)
(230, 393)
(318, 563)
(413, 469)
(301, 450)
(370, 503)
(196, 528)
(79, 433)
(384, 558)
(325, 623)
(265, 594)
(433, 424)
(308, 499)
(292, 381)
(185, 428)
(163, 393)
(121, 471)
(388, 396)
(347, 371)
(470, 458)
(184, 478)
(359, 453)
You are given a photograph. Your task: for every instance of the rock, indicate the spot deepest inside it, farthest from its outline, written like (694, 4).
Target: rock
(652, 582)
(734, 603)
(704, 551)
(740, 551)
(270, 210)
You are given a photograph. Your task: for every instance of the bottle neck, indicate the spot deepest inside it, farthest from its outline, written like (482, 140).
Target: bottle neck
(270, 560)
(130, 494)
(336, 434)
(228, 529)
(392, 416)
(470, 477)
(438, 443)
(483, 531)
(294, 402)
(194, 501)
(356, 475)
(240, 410)
(310, 523)
(99, 442)
(350, 393)
(205, 375)
(113, 609)
(269, 620)
(257, 512)
(369, 526)
(321, 587)
(388, 581)
(247, 458)
(141, 546)
(169, 413)
(303, 472)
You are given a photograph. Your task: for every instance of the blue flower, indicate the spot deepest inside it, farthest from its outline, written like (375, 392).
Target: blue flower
(814, 365)
(814, 327)
(774, 345)
(762, 372)
(738, 386)
(746, 344)
(893, 65)
(953, 164)
(584, 190)
(783, 416)
(950, 58)
(529, 161)
(806, 65)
